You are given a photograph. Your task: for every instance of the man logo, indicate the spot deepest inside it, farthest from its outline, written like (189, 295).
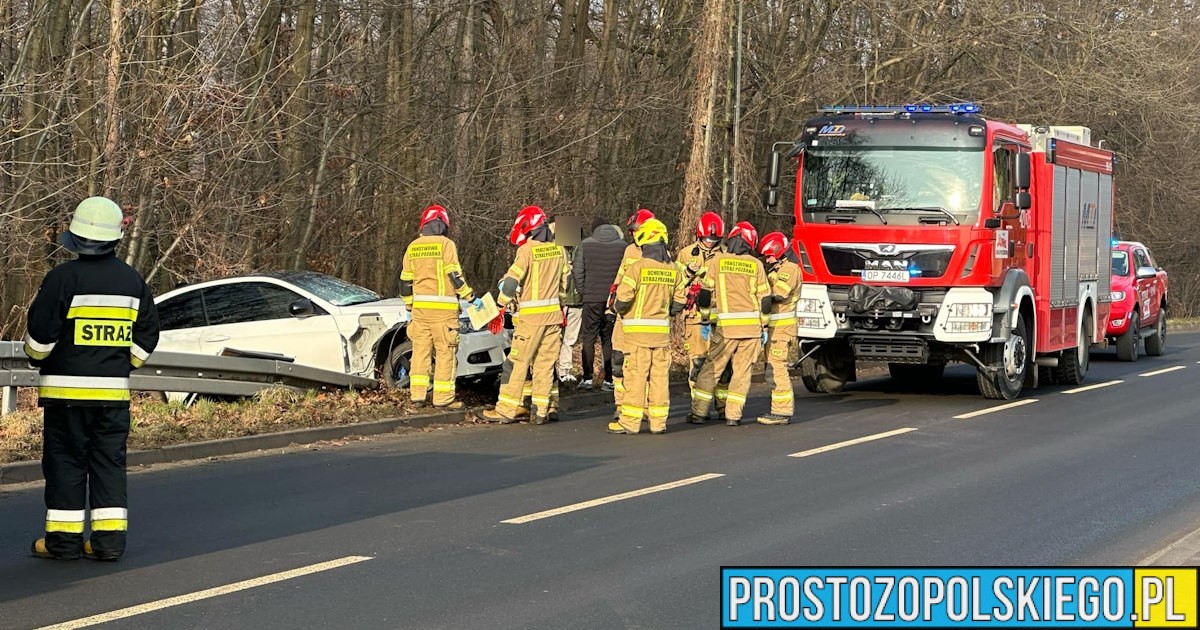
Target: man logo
(887, 249)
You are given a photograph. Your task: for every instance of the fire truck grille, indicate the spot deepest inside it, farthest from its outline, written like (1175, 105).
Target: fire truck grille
(891, 350)
(924, 264)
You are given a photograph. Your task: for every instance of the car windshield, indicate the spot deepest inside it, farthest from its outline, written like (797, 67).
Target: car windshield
(334, 290)
(1120, 263)
(893, 181)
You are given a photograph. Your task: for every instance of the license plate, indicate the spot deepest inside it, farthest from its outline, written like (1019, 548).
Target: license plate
(885, 275)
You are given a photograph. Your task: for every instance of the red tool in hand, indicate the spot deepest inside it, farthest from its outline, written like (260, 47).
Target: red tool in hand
(612, 297)
(692, 294)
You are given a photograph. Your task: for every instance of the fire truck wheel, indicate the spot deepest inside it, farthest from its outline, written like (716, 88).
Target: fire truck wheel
(1156, 344)
(1128, 343)
(1010, 360)
(911, 376)
(1073, 364)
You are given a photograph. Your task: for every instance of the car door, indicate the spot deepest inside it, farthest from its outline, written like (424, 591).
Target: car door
(181, 320)
(1146, 288)
(255, 316)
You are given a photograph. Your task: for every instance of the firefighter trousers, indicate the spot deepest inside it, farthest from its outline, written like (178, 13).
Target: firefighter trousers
(83, 461)
(534, 347)
(618, 369)
(645, 377)
(783, 399)
(434, 344)
(697, 349)
(741, 355)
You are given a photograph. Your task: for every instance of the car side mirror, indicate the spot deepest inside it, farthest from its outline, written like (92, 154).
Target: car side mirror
(1144, 273)
(302, 308)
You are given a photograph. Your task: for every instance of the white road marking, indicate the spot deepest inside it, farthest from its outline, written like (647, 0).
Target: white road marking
(142, 609)
(1164, 370)
(1017, 403)
(609, 499)
(869, 438)
(1080, 390)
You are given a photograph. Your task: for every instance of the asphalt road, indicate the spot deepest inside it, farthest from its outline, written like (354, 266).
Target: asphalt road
(1106, 476)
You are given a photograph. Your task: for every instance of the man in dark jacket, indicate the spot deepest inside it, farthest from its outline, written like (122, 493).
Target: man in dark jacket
(595, 270)
(92, 322)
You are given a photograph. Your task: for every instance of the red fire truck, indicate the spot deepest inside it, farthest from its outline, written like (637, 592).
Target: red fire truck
(930, 234)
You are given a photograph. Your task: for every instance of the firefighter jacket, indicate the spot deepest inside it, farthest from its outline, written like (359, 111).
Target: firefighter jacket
(741, 296)
(535, 281)
(431, 280)
(633, 253)
(692, 260)
(92, 322)
(648, 293)
(785, 281)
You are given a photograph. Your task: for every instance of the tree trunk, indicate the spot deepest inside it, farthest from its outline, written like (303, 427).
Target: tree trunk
(708, 60)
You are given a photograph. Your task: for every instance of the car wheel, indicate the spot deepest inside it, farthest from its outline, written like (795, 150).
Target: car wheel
(399, 366)
(1156, 344)
(1128, 342)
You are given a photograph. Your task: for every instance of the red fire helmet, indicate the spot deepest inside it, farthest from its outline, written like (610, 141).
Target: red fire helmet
(638, 218)
(434, 212)
(528, 219)
(746, 232)
(774, 245)
(711, 226)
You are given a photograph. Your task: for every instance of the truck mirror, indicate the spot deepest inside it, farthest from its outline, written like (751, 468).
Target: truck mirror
(1023, 201)
(773, 168)
(1021, 168)
(1146, 272)
(771, 197)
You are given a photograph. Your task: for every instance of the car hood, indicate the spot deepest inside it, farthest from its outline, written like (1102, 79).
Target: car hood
(392, 310)
(1122, 283)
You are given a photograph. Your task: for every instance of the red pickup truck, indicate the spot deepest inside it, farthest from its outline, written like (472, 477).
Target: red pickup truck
(1139, 302)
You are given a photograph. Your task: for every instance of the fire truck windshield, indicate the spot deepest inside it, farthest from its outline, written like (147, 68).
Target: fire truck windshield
(907, 185)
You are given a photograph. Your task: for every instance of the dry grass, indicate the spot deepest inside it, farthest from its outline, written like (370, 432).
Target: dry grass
(157, 424)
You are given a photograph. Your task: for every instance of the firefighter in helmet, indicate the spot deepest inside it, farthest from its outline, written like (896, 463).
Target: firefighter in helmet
(632, 254)
(92, 322)
(783, 274)
(739, 293)
(535, 280)
(431, 284)
(649, 292)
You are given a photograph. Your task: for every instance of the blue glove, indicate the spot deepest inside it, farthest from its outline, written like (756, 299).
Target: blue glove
(705, 331)
(764, 338)
(478, 303)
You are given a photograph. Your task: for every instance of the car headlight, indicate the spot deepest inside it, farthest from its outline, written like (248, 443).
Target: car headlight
(1116, 296)
(971, 311)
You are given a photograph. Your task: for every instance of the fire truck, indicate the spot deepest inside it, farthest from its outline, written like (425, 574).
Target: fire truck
(929, 234)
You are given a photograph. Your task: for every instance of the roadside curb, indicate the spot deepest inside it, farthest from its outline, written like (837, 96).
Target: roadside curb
(26, 471)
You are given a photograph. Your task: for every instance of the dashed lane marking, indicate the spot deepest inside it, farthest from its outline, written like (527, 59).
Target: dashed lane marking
(981, 412)
(870, 438)
(1080, 390)
(169, 602)
(1164, 370)
(575, 507)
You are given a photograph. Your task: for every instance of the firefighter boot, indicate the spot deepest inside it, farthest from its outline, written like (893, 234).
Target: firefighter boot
(452, 406)
(107, 556)
(773, 419)
(494, 415)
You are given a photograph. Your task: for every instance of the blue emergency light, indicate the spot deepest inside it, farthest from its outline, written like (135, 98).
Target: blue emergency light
(925, 108)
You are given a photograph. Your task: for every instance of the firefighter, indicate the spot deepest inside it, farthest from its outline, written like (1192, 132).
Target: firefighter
(651, 290)
(632, 254)
(539, 271)
(92, 322)
(741, 297)
(431, 284)
(783, 274)
(710, 229)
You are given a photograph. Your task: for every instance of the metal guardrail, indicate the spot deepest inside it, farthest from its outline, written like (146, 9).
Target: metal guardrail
(191, 373)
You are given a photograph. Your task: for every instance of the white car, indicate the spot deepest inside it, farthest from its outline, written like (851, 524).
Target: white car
(315, 319)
